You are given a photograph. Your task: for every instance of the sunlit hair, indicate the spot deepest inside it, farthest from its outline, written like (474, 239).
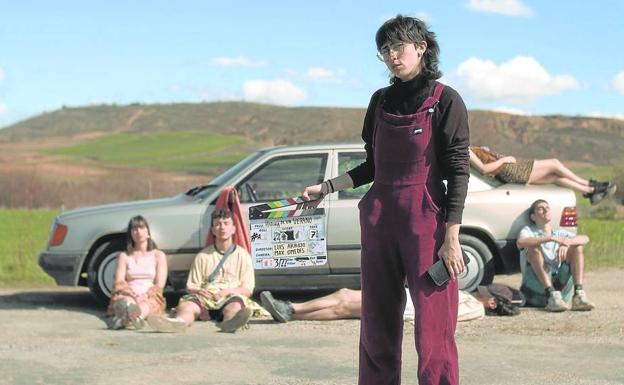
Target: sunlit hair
(138, 221)
(534, 207)
(404, 29)
(221, 214)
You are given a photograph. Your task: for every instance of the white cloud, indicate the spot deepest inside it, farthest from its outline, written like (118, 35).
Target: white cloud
(3, 109)
(238, 61)
(618, 83)
(318, 73)
(510, 110)
(503, 7)
(598, 114)
(519, 80)
(273, 92)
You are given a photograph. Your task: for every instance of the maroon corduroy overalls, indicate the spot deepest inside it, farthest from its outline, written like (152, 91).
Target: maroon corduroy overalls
(402, 231)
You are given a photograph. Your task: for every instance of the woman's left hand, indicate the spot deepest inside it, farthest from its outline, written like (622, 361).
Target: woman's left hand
(451, 254)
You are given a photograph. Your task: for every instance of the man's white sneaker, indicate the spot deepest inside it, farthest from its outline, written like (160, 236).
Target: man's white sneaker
(165, 324)
(556, 303)
(580, 301)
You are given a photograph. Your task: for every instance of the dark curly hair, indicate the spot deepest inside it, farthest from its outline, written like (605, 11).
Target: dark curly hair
(411, 30)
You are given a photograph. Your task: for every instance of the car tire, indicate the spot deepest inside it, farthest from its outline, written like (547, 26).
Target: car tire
(480, 269)
(101, 270)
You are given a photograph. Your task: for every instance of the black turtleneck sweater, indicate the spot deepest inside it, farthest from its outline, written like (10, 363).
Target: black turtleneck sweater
(450, 135)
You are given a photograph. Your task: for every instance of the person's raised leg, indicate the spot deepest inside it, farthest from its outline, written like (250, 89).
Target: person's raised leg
(546, 167)
(231, 308)
(187, 311)
(541, 174)
(576, 259)
(535, 258)
(144, 308)
(235, 316)
(119, 308)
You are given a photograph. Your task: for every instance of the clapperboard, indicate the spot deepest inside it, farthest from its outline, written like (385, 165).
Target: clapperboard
(282, 238)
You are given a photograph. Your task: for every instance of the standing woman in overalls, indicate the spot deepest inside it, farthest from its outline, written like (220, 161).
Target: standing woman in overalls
(416, 136)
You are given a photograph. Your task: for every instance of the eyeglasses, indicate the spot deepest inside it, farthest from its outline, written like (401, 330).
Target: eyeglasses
(397, 48)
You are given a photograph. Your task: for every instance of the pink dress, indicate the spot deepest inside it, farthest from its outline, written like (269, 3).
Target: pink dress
(139, 285)
(140, 274)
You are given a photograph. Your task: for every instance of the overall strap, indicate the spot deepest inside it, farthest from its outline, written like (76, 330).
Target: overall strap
(432, 100)
(226, 254)
(438, 91)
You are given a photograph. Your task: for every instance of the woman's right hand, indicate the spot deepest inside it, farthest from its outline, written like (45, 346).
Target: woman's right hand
(508, 159)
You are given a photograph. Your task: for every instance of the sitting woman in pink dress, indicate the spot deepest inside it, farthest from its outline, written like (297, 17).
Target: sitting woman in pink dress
(539, 171)
(139, 279)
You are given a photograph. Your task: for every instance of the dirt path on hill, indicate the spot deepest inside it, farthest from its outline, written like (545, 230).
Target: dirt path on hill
(58, 336)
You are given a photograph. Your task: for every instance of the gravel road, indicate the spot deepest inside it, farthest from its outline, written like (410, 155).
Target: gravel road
(58, 336)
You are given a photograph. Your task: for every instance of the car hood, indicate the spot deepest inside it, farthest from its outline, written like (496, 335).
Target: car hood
(131, 207)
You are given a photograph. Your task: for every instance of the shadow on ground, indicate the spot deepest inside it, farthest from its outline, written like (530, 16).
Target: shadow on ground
(81, 300)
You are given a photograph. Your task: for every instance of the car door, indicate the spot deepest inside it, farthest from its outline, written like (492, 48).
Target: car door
(343, 240)
(279, 177)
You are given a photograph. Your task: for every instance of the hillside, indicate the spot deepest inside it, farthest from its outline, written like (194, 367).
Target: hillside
(76, 157)
(587, 140)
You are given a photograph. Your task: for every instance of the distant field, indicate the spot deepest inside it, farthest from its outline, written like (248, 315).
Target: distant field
(195, 152)
(23, 234)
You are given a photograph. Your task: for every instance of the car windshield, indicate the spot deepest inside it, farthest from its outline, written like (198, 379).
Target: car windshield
(200, 192)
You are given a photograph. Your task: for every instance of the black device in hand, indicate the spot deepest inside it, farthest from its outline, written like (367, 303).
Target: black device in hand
(438, 272)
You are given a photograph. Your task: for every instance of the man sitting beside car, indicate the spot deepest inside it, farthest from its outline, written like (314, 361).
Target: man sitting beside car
(552, 263)
(220, 282)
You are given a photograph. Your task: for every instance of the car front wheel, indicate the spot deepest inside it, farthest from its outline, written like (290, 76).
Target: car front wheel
(101, 271)
(480, 268)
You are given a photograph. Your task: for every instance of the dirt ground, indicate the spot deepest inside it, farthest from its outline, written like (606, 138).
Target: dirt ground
(58, 336)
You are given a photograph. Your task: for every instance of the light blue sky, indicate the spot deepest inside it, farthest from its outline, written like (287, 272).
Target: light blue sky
(527, 56)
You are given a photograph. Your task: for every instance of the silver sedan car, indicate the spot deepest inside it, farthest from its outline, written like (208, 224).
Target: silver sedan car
(84, 244)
